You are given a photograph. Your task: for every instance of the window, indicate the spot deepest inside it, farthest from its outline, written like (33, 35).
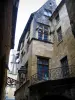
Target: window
(65, 66)
(59, 32)
(43, 33)
(46, 33)
(47, 13)
(40, 34)
(45, 36)
(73, 29)
(50, 4)
(42, 68)
(22, 53)
(57, 18)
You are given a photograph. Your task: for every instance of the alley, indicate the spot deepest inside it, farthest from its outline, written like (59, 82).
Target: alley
(41, 65)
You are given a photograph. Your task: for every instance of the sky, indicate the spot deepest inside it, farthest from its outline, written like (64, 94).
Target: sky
(26, 7)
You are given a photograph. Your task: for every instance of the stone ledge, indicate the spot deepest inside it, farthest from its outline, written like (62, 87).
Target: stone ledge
(41, 41)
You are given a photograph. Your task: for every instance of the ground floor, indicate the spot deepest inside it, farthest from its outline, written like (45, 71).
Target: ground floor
(63, 89)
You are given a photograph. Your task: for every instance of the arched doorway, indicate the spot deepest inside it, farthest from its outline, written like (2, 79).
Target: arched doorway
(54, 97)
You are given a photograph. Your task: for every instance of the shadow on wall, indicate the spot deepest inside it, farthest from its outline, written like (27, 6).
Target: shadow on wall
(54, 97)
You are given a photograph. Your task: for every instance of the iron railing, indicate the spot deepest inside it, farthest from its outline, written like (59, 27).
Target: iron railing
(54, 74)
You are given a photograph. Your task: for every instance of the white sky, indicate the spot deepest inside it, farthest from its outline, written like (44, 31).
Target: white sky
(26, 7)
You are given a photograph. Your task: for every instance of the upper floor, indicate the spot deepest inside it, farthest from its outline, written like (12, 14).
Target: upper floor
(37, 28)
(53, 47)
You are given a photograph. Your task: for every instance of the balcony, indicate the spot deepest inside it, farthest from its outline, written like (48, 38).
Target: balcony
(54, 74)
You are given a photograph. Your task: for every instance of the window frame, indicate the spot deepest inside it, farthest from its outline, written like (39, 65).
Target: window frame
(59, 34)
(43, 65)
(45, 38)
(42, 32)
(57, 18)
(47, 13)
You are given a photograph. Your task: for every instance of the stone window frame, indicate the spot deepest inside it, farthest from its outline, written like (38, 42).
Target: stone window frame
(59, 34)
(40, 34)
(42, 31)
(47, 12)
(57, 18)
(42, 63)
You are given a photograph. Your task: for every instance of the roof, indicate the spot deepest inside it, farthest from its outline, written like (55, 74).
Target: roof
(25, 30)
(57, 9)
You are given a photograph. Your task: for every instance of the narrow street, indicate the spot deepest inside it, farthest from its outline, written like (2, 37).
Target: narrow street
(37, 50)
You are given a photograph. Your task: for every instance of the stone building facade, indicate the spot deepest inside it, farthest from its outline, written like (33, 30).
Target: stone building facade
(63, 39)
(70, 7)
(46, 52)
(8, 15)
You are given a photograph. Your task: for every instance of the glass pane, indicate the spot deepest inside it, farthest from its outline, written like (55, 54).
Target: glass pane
(57, 18)
(45, 72)
(47, 13)
(39, 72)
(39, 61)
(42, 68)
(40, 31)
(45, 37)
(59, 34)
(39, 36)
(59, 37)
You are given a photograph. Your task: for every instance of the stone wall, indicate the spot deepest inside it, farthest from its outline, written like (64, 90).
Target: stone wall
(23, 92)
(40, 49)
(5, 41)
(66, 47)
(70, 4)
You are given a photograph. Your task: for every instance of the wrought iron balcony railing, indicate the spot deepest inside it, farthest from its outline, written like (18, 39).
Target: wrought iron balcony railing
(54, 74)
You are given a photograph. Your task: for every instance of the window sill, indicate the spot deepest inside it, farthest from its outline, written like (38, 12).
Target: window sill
(59, 42)
(42, 40)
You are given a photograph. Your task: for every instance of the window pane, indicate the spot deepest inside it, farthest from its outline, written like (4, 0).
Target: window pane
(59, 34)
(39, 61)
(45, 62)
(42, 68)
(45, 37)
(57, 18)
(40, 31)
(47, 13)
(45, 71)
(39, 72)
(40, 34)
